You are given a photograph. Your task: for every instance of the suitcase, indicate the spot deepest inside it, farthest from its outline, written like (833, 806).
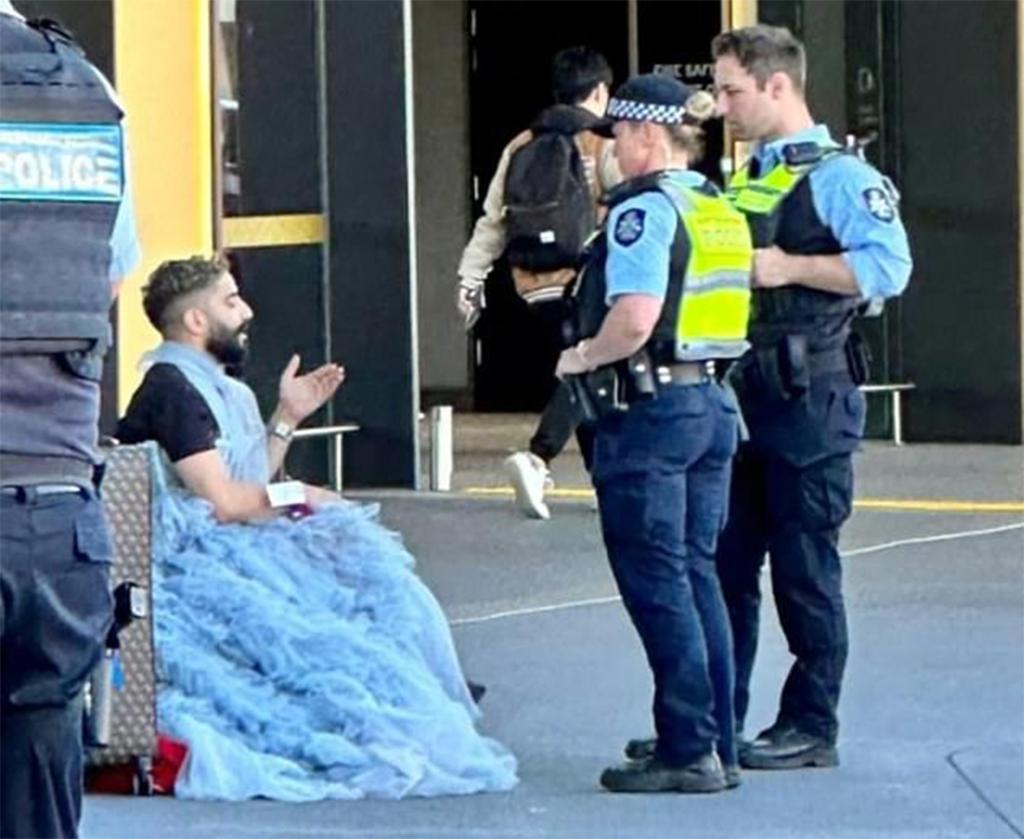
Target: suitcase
(120, 726)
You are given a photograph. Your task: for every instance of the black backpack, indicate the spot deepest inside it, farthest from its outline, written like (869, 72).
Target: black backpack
(549, 208)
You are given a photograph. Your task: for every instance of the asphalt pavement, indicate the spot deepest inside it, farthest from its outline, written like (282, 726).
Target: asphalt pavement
(932, 739)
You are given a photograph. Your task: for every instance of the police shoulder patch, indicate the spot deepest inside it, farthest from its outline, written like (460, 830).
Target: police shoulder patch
(630, 226)
(879, 204)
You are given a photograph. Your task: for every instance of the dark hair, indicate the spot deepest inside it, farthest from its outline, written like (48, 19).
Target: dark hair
(174, 280)
(763, 50)
(575, 72)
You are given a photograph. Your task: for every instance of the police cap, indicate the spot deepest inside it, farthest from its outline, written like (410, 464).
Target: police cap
(655, 97)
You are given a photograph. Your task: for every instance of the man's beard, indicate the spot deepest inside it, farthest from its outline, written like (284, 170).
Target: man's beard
(229, 347)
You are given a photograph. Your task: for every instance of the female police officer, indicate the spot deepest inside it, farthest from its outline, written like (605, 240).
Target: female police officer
(665, 290)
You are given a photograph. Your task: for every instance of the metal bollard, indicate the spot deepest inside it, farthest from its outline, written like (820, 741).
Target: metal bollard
(441, 448)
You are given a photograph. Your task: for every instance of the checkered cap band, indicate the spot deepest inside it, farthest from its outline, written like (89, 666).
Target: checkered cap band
(645, 111)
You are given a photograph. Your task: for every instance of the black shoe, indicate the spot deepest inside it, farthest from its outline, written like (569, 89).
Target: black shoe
(652, 775)
(644, 748)
(742, 744)
(641, 749)
(476, 690)
(785, 747)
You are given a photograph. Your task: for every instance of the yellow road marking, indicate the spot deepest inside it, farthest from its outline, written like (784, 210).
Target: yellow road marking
(939, 505)
(921, 505)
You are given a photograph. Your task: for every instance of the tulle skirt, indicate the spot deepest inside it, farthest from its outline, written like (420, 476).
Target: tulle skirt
(305, 660)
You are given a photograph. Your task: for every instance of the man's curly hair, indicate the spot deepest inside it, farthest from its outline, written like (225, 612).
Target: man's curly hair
(175, 280)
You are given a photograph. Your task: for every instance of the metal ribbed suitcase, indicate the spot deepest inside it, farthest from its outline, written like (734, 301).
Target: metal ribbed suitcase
(128, 722)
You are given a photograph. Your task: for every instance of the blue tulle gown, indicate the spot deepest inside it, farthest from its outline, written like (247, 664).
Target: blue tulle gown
(303, 660)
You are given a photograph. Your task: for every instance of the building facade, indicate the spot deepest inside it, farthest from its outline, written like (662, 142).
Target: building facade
(338, 151)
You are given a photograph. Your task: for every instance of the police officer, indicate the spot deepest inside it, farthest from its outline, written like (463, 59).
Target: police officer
(664, 290)
(827, 236)
(67, 236)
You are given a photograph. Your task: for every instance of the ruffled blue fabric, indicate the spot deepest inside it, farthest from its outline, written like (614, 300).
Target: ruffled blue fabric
(301, 660)
(305, 660)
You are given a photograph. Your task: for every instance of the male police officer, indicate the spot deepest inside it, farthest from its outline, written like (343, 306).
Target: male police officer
(827, 236)
(665, 289)
(66, 235)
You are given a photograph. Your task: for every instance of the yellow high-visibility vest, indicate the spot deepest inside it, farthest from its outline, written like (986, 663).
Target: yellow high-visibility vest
(711, 320)
(760, 196)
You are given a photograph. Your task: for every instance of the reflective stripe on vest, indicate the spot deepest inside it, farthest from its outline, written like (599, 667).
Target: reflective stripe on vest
(762, 195)
(711, 321)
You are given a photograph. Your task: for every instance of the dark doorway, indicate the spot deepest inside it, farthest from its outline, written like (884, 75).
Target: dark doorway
(512, 44)
(675, 38)
(873, 114)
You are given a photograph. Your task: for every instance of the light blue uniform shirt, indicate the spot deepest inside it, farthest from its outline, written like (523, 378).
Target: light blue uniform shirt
(125, 252)
(640, 232)
(859, 206)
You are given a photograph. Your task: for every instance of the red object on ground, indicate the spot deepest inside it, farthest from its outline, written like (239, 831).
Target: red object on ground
(122, 778)
(170, 756)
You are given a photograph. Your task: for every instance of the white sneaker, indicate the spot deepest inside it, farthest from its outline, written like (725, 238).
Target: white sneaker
(529, 476)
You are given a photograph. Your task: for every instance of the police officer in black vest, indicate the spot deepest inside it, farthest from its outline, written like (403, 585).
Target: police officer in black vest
(827, 236)
(67, 236)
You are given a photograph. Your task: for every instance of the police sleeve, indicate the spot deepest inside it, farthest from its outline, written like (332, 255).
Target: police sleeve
(124, 241)
(640, 234)
(861, 208)
(125, 253)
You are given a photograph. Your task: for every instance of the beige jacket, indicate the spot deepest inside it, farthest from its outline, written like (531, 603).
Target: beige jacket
(488, 240)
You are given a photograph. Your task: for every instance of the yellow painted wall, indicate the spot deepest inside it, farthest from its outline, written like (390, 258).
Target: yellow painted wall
(162, 64)
(739, 13)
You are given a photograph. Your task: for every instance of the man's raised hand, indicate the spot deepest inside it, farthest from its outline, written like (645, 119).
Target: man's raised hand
(300, 396)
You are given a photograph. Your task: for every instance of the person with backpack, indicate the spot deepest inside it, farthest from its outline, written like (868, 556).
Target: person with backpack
(540, 208)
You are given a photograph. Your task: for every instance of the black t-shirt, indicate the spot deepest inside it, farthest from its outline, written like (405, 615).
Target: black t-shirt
(168, 409)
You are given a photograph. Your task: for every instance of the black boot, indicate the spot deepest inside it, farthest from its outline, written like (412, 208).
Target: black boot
(476, 690)
(641, 749)
(644, 748)
(654, 775)
(783, 746)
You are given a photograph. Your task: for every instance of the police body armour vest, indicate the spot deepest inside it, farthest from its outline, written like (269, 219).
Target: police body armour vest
(61, 182)
(779, 207)
(707, 302)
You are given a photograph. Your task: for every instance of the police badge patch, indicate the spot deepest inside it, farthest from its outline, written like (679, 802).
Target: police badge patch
(879, 204)
(630, 227)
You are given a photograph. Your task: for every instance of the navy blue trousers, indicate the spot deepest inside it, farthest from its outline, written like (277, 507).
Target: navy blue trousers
(661, 471)
(55, 556)
(792, 489)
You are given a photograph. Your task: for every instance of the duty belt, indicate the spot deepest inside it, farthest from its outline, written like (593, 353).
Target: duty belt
(25, 470)
(682, 373)
(25, 492)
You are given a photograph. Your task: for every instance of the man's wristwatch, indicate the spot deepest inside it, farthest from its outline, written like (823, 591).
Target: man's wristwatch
(282, 431)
